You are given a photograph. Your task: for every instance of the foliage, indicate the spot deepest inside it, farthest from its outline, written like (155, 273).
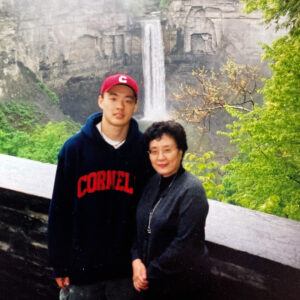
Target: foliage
(22, 134)
(266, 173)
(285, 13)
(12, 141)
(164, 3)
(207, 170)
(20, 116)
(234, 86)
(45, 141)
(44, 88)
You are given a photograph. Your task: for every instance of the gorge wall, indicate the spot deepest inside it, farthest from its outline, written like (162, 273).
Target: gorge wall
(72, 45)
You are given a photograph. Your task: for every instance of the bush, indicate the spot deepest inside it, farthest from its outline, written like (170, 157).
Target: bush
(208, 171)
(44, 88)
(22, 133)
(46, 140)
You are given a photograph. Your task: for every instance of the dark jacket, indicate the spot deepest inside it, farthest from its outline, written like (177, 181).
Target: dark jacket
(174, 252)
(92, 212)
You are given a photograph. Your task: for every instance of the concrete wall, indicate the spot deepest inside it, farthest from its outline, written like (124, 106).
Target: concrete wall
(254, 255)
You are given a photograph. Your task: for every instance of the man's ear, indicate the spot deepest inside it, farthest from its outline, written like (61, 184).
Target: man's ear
(100, 101)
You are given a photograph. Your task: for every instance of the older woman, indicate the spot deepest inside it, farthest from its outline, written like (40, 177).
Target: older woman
(170, 256)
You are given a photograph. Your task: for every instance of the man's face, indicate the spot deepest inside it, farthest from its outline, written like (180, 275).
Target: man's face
(118, 105)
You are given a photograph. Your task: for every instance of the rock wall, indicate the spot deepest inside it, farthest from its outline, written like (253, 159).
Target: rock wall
(8, 66)
(62, 39)
(71, 45)
(23, 250)
(208, 27)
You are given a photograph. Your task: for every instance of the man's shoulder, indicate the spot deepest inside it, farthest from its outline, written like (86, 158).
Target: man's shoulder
(134, 130)
(74, 140)
(72, 143)
(140, 136)
(137, 139)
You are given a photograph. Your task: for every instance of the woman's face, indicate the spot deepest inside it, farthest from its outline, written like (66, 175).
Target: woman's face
(164, 155)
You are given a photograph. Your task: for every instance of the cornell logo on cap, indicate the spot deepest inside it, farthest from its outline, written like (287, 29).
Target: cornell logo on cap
(123, 79)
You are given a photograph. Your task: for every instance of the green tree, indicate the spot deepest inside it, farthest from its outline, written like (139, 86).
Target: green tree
(46, 140)
(23, 132)
(265, 175)
(17, 121)
(18, 116)
(164, 3)
(207, 170)
(12, 141)
(285, 13)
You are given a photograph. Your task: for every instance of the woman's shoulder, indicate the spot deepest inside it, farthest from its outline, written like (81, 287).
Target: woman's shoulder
(190, 181)
(193, 190)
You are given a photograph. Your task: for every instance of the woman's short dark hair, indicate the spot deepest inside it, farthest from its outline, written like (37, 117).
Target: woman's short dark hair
(171, 128)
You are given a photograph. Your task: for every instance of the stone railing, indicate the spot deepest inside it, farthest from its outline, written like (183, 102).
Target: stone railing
(254, 255)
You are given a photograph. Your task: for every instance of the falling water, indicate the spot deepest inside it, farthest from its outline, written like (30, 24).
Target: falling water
(154, 70)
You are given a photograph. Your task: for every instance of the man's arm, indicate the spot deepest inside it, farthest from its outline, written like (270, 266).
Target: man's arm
(59, 224)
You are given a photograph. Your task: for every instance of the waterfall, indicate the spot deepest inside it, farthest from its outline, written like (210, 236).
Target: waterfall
(153, 70)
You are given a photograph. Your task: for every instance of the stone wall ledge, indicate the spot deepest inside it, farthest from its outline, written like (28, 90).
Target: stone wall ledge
(239, 228)
(254, 255)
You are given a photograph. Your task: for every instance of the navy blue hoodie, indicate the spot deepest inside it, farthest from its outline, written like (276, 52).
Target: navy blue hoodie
(92, 212)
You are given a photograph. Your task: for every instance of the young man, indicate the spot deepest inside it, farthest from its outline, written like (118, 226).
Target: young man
(100, 173)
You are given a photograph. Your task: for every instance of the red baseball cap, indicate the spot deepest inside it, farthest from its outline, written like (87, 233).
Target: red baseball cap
(116, 79)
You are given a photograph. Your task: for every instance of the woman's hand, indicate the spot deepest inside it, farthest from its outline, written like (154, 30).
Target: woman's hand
(139, 277)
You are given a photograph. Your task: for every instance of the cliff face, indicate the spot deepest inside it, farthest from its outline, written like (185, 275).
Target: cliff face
(60, 38)
(72, 45)
(8, 66)
(208, 27)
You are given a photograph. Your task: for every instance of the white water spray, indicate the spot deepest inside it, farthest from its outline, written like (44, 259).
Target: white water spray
(154, 70)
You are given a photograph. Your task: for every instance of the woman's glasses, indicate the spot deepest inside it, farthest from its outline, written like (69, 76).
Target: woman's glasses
(165, 152)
